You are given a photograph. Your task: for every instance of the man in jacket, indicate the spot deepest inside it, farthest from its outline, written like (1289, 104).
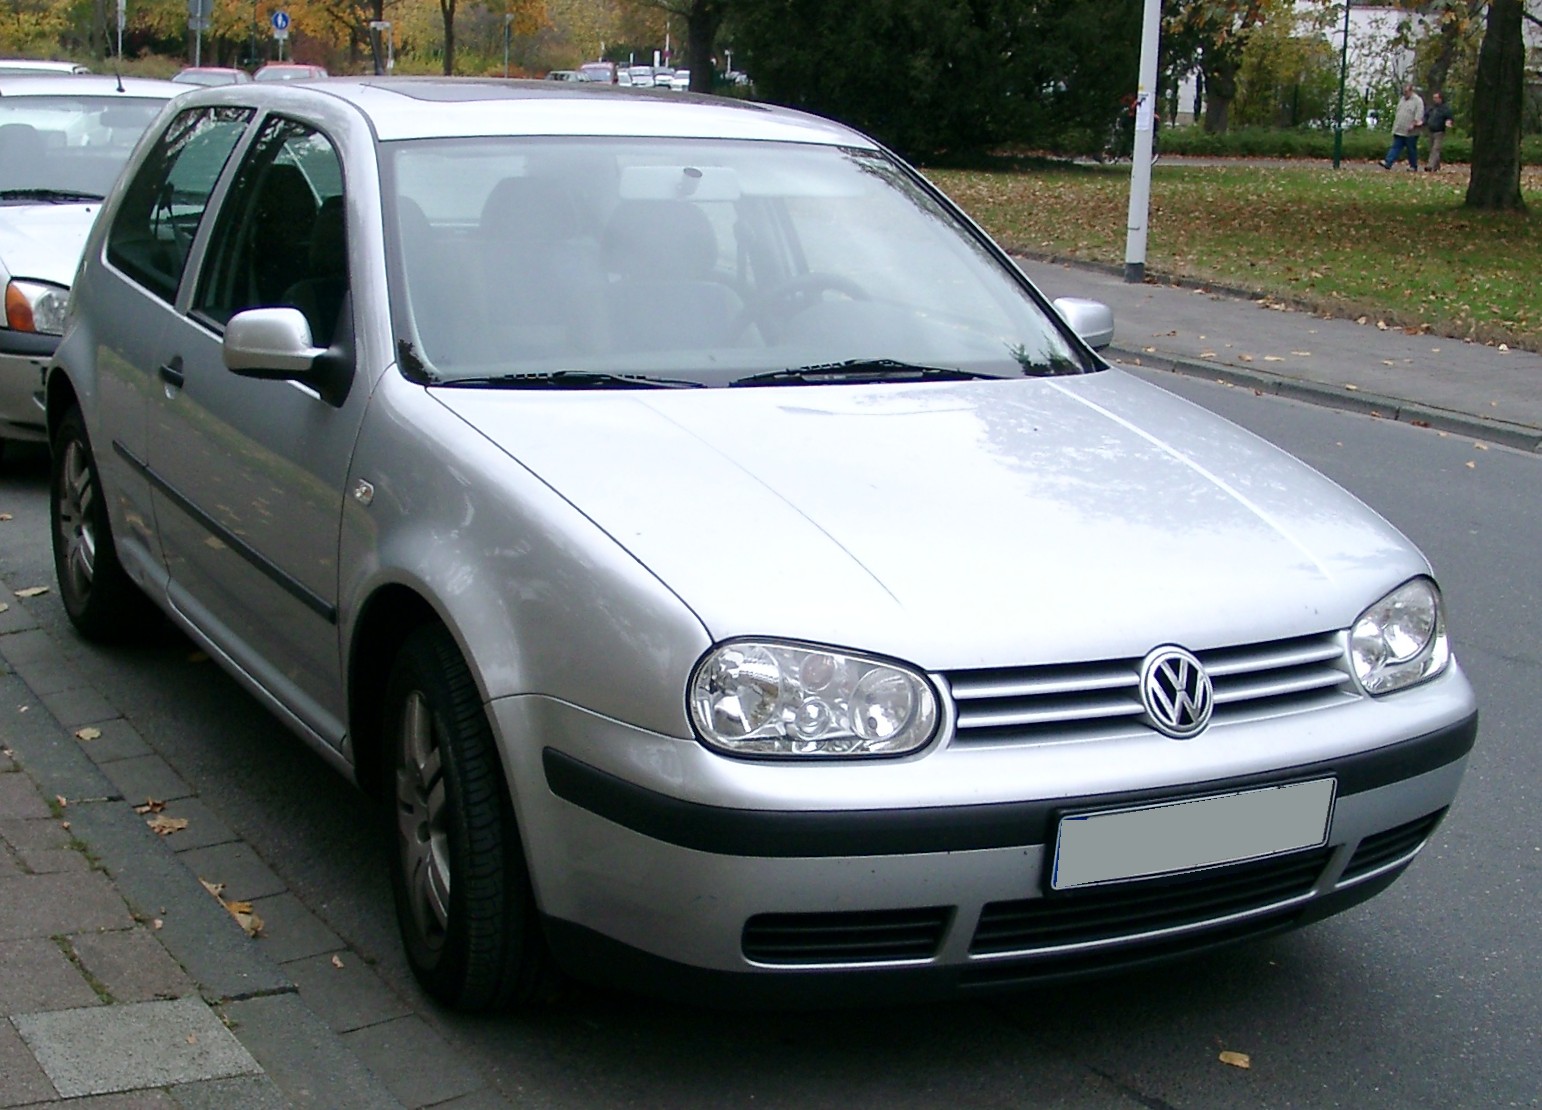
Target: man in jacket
(1436, 121)
(1405, 130)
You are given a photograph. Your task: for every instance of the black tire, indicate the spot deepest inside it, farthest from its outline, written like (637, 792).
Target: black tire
(101, 599)
(463, 898)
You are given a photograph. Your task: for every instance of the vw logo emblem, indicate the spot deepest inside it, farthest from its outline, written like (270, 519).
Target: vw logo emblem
(1176, 693)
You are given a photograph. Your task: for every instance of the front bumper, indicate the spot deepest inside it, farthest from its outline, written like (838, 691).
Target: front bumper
(22, 358)
(642, 886)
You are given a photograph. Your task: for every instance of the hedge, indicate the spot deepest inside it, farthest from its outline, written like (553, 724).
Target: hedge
(1360, 145)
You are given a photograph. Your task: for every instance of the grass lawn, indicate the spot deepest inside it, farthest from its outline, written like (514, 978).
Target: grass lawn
(1359, 241)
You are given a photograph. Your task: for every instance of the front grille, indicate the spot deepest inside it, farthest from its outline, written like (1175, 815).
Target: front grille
(1382, 848)
(1111, 913)
(871, 936)
(1088, 701)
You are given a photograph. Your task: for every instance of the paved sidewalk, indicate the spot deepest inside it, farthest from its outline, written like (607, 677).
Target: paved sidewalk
(122, 978)
(1449, 384)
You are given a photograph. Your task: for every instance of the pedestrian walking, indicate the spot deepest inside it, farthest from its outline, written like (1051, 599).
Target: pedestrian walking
(1437, 121)
(1405, 130)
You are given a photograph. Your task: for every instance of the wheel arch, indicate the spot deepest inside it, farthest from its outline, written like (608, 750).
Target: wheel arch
(390, 615)
(59, 397)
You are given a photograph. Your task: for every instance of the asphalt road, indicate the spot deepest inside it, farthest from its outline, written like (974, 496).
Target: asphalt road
(1429, 995)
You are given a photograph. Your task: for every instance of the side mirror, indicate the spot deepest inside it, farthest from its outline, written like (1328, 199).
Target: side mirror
(1092, 320)
(275, 344)
(272, 343)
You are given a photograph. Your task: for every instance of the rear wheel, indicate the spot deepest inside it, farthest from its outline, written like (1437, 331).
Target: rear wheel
(463, 898)
(102, 601)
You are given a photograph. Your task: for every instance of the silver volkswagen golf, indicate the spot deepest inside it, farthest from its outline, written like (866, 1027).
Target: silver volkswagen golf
(730, 575)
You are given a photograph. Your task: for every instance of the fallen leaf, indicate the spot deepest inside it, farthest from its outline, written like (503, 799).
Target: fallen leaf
(1237, 1059)
(1504, 346)
(1352, 388)
(62, 800)
(4, 606)
(157, 923)
(32, 591)
(165, 826)
(250, 923)
(1420, 423)
(152, 805)
(1273, 358)
(5, 516)
(88, 733)
(1206, 354)
(1472, 466)
(337, 961)
(65, 825)
(1246, 358)
(192, 1038)
(1388, 362)
(1480, 447)
(1302, 354)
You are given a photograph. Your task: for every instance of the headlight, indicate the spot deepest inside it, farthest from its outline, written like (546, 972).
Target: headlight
(763, 698)
(1401, 639)
(36, 307)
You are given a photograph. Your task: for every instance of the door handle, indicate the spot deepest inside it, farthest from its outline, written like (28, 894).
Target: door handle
(171, 372)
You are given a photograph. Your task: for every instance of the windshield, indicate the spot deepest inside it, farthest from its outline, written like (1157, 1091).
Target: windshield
(72, 146)
(710, 262)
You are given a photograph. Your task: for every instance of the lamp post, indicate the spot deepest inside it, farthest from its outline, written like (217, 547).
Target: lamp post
(1140, 159)
(1338, 129)
(508, 19)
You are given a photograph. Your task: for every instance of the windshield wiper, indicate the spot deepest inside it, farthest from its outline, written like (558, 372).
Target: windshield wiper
(56, 196)
(570, 379)
(860, 370)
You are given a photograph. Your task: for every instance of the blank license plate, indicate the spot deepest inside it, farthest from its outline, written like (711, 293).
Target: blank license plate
(1173, 837)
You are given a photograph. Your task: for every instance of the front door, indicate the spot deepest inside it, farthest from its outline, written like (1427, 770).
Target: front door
(250, 473)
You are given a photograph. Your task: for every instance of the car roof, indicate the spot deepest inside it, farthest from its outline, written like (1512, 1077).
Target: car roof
(89, 84)
(432, 107)
(40, 66)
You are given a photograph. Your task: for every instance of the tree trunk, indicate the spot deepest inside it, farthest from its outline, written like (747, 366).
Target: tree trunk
(1220, 90)
(701, 24)
(1498, 97)
(447, 14)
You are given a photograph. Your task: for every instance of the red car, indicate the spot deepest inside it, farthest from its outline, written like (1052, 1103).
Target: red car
(289, 71)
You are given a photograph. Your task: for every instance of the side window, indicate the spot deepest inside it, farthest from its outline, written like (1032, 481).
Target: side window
(280, 239)
(153, 229)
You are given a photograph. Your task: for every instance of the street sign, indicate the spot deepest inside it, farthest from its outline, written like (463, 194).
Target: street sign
(280, 21)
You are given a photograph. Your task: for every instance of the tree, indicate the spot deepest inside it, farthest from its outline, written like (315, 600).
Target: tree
(702, 19)
(1497, 98)
(936, 78)
(1211, 35)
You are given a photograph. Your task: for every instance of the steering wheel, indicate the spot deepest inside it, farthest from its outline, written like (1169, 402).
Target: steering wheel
(797, 294)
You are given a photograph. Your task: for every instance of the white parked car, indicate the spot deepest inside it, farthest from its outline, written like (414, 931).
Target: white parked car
(817, 617)
(62, 143)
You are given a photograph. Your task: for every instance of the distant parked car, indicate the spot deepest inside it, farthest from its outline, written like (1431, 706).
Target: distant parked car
(723, 567)
(598, 72)
(62, 143)
(288, 71)
(562, 75)
(680, 80)
(36, 67)
(212, 75)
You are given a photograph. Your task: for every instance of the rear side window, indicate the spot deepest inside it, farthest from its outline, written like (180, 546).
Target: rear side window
(153, 229)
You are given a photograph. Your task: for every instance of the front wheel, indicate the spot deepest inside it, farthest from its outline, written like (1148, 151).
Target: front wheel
(102, 601)
(463, 897)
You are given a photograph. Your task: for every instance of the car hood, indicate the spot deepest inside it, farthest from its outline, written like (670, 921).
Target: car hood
(44, 241)
(958, 525)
